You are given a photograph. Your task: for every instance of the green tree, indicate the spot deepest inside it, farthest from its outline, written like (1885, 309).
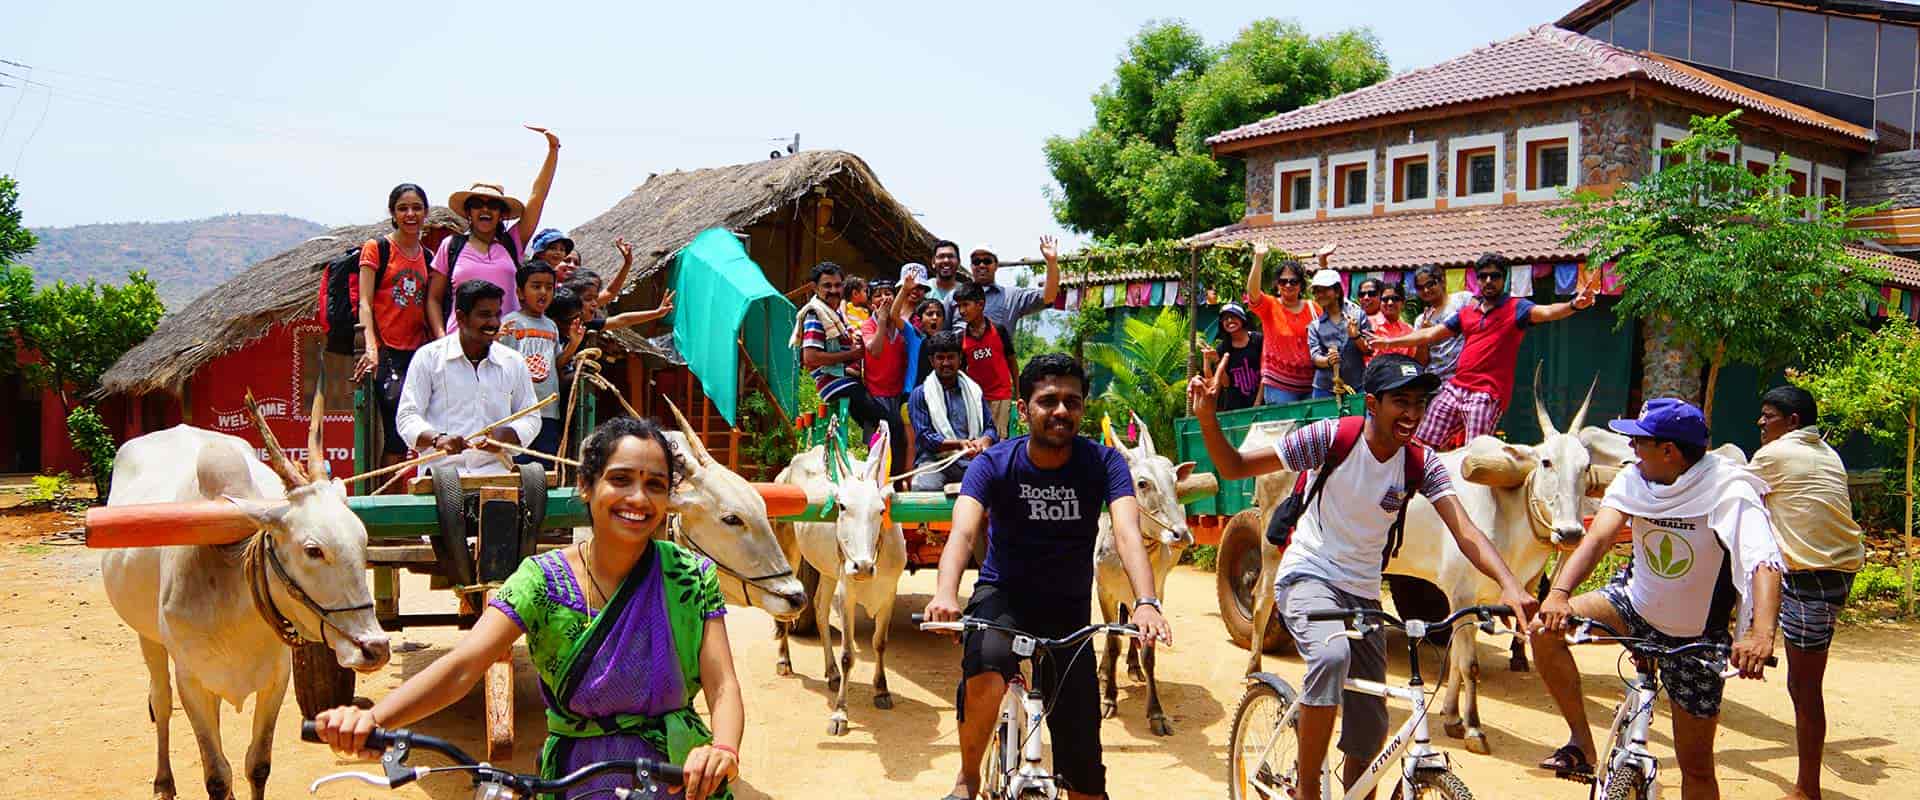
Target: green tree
(16, 282)
(1736, 266)
(15, 239)
(1147, 372)
(1873, 387)
(1144, 171)
(81, 329)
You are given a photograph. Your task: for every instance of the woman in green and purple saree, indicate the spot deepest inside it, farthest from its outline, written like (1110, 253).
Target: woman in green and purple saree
(624, 630)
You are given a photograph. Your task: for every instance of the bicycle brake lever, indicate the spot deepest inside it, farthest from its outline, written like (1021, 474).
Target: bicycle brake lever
(364, 777)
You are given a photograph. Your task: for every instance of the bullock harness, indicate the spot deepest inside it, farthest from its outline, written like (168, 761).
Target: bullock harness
(258, 555)
(681, 536)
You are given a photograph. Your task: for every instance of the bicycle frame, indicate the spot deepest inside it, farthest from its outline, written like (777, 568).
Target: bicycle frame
(1627, 739)
(1411, 743)
(1028, 711)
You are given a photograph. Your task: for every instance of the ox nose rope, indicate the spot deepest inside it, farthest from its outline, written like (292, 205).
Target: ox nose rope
(260, 554)
(680, 535)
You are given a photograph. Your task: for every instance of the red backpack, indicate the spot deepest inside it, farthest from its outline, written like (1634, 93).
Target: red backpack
(1346, 435)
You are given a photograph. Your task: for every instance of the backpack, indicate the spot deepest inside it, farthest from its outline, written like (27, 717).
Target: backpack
(1346, 436)
(340, 293)
(458, 242)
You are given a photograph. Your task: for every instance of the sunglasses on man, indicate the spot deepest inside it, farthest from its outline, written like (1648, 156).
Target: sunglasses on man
(1490, 275)
(982, 261)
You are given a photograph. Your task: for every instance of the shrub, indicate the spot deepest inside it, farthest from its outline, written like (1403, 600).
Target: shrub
(93, 440)
(1204, 557)
(50, 489)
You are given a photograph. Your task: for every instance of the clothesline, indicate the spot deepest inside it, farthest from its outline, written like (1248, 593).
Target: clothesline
(1522, 281)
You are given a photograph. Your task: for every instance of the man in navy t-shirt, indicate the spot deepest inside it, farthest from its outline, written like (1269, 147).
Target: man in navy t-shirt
(1039, 498)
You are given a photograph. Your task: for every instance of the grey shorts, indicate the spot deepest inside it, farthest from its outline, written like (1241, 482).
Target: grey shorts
(1810, 603)
(1330, 663)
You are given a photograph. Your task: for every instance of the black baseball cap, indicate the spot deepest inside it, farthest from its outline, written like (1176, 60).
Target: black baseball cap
(1386, 373)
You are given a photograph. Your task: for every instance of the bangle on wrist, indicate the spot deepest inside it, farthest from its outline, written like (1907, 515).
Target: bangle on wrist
(1559, 589)
(727, 749)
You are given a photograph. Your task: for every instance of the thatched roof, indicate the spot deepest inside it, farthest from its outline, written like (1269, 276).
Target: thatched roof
(667, 211)
(281, 289)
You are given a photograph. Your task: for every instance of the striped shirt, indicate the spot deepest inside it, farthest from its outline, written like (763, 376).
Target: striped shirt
(831, 379)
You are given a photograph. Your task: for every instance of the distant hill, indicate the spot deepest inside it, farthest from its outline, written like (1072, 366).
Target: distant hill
(183, 258)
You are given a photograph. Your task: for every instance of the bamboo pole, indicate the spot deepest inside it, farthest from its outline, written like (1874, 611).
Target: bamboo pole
(1193, 310)
(1913, 419)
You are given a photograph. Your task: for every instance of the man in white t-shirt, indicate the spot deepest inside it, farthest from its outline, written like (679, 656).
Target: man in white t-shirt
(1702, 547)
(1338, 546)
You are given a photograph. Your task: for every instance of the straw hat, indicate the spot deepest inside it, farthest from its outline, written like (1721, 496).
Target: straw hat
(458, 202)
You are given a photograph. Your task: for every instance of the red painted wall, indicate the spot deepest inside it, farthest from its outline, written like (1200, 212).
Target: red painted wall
(280, 369)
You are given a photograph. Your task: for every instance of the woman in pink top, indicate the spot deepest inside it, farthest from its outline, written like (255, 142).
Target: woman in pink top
(491, 252)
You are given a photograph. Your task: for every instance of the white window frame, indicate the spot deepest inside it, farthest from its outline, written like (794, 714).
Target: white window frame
(1365, 158)
(1821, 172)
(1397, 152)
(1566, 130)
(1762, 155)
(1312, 167)
(1498, 141)
(1805, 167)
(1661, 131)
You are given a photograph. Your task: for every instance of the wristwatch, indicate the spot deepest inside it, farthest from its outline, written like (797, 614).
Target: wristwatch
(1149, 601)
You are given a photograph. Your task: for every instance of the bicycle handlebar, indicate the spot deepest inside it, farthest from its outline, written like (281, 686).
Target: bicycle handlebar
(965, 624)
(1483, 613)
(380, 740)
(1647, 647)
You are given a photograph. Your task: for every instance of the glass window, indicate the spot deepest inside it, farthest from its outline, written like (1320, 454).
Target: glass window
(1803, 42)
(1552, 166)
(1850, 55)
(1631, 24)
(1480, 173)
(1896, 59)
(1602, 31)
(1712, 33)
(1670, 27)
(1415, 180)
(1302, 192)
(1893, 121)
(1754, 29)
(1357, 186)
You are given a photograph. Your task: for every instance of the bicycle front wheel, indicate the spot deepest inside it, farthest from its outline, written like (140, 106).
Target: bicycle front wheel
(1435, 784)
(1004, 751)
(1263, 756)
(1626, 783)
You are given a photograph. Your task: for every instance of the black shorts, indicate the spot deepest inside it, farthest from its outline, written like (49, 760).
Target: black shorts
(1065, 677)
(389, 376)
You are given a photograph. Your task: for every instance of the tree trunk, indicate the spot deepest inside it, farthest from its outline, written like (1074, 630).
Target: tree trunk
(1193, 310)
(1668, 367)
(1713, 381)
(1913, 420)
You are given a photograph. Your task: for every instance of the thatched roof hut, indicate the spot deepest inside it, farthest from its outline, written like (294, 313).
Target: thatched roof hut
(667, 211)
(274, 292)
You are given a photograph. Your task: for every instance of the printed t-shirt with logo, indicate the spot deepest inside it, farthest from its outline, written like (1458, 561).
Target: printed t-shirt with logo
(1490, 346)
(1689, 568)
(1340, 537)
(1042, 523)
(493, 264)
(886, 362)
(536, 339)
(1285, 363)
(1243, 372)
(400, 302)
(830, 379)
(987, 363)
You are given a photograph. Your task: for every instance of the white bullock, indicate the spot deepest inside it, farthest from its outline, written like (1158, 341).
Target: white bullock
(721, 516)
(860, 556)
(1163, 526)
(208, 608)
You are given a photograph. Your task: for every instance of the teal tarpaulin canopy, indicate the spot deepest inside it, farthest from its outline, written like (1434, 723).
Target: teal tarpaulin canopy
(721, 297)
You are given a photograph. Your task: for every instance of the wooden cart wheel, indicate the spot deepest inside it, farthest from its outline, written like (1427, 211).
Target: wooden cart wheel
(1236, 574)
(809, 581)
(319, 682)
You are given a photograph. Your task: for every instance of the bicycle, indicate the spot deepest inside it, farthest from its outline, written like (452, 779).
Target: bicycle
(1019, 770)
(1270, 705)
(490, 782)
(1629, 771)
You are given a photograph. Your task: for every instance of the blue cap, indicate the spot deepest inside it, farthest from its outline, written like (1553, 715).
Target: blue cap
(1234, 309)
(549, 236)
(1666, 418)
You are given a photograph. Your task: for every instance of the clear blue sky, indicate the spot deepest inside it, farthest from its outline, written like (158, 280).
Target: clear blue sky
(181, 110)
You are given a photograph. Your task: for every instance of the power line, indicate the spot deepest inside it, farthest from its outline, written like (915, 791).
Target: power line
(16, 101)
(36, 130)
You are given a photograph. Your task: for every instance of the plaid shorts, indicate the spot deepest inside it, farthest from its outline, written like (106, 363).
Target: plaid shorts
(1457, 415)
(1693, 686)
(1810, 603)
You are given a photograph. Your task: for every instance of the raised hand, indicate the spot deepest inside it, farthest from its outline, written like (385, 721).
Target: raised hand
(1049, 249)
(626, 250)
(666, 303)
(1203, 391)
(1261, 249)
(553, 142)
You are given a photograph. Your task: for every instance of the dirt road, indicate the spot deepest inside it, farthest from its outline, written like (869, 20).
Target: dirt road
(75, 724)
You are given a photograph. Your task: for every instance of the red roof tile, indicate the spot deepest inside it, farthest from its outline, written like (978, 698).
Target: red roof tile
(1543, 58)
(1520, 233)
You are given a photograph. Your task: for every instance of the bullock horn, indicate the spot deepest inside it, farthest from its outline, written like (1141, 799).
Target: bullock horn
(1146, 436)
(1580, 417)
(1540, 406)
(698, 447)
(288, 471)
(316, 444)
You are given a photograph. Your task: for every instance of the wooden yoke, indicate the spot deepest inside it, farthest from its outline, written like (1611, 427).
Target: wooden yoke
(157, 524)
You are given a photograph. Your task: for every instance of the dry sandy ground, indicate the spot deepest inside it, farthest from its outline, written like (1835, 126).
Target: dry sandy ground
(76, 725)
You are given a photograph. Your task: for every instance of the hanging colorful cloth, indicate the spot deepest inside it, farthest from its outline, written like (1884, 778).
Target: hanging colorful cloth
(1564, 277)
(1061, 299)
(1520, 280)
(1173, 294)
(1138, 293)
(1157, 293)
(1471, 281)
(1542, 271)
(1457, 280)
(1609, 280)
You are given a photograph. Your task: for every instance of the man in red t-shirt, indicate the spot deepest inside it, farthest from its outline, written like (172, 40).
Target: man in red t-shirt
(1491, 329)
(988, 349)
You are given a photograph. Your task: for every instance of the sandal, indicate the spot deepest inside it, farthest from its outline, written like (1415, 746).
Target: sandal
(1568, 761)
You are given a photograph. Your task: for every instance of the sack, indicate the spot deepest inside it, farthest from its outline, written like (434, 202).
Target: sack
(1287, 515)
(340, 295)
